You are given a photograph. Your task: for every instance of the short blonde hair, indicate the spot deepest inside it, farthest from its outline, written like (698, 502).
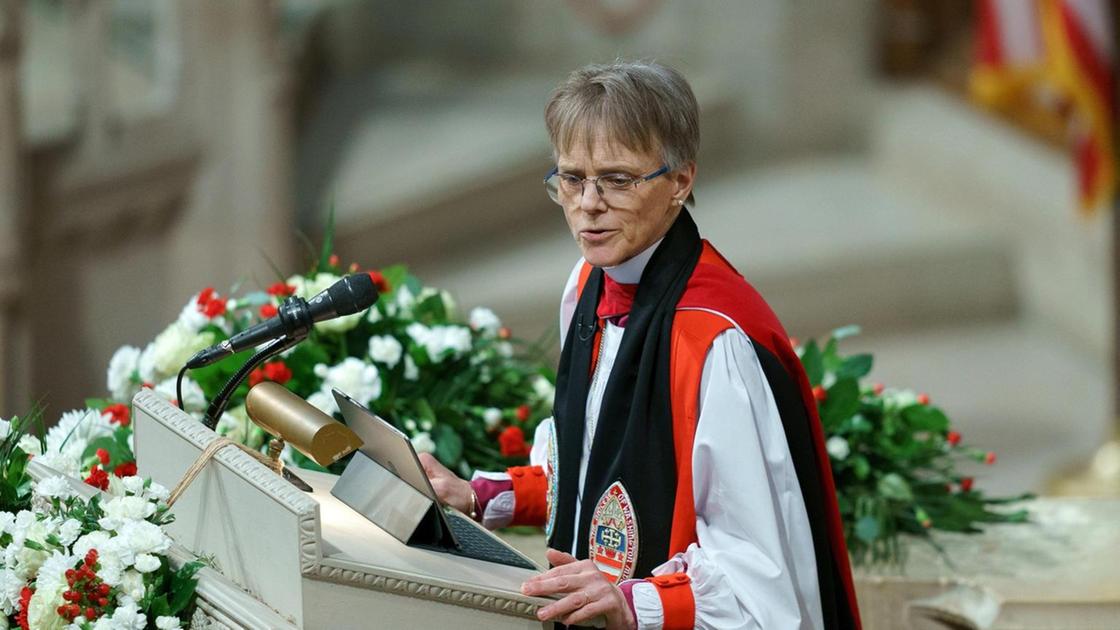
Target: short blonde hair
(642, 105)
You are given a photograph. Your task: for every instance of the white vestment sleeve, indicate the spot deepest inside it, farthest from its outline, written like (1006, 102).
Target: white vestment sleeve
(754, 566)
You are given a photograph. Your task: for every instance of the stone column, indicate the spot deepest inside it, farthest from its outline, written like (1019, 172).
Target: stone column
(12, 354)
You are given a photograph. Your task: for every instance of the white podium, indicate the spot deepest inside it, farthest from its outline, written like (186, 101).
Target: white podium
(306, 560)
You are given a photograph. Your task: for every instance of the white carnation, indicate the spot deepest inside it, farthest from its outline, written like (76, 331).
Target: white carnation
(30, 445)
(170, 350)
(441, 341)
(449, 305)
(120, 511)
(55, 487)
(69, 531)
(127, 616)
(125, 362)
(192, 317)
(168, 623)
(64, 463)
(53, 572)
(98, 540)
(11, 584)
(353, 376)
(5, 428)
(144, 537)
(837, 447)
(411, 372)
(543, 388)
(323, 401)
(132, 585)
(485, 321)
(146, 563)
(133, 484)
(404, 302)
(492, 416)
(504, 349)
(374, 315)
(157, 492)
(76, 429)
(42, 610)
(385, 349)
(423, 443)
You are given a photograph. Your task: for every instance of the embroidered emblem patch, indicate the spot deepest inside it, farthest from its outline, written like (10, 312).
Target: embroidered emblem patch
(614, 534)
(551, 465)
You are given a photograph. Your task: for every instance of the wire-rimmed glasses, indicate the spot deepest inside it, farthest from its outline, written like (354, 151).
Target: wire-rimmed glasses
(614, 188)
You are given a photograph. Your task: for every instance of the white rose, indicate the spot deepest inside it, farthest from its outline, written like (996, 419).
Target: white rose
(146, 563)
(385, 349)
(485, 321)
(353, 376)
(411, 372)
(423, 443)
(837, 447)
(170, 350)
(193, 397)
(125, 362)
(543, 388)
(492, 416)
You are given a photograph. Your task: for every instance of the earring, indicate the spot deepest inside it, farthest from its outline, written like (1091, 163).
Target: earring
(677, 202)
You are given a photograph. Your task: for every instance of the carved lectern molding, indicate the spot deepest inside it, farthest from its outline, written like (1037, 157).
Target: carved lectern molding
(404, 585)
(249, 469)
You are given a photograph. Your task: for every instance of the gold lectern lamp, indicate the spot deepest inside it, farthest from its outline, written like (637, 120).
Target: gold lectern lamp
(292, 419)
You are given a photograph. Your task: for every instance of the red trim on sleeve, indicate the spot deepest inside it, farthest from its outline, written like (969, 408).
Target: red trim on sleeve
(530, 495)
(677, 602)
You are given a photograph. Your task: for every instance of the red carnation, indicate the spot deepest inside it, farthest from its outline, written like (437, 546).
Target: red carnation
(966, 484)
(127, 469)
(878, 388)
(512, 442)
(24, 599)
(278, 372)
(98, 478)
(953, 438)
(103, 456)
(281, 289)
(379, 281)
(923, 399)
(522, 413)
(820, 393)
(333, 260)
(214, 308)
(268, 311)
(990, 458)
(504, 333)
(256, 377)
(118, 414)
(205, 296)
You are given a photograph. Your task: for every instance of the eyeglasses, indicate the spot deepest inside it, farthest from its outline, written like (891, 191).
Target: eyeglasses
(614, 188)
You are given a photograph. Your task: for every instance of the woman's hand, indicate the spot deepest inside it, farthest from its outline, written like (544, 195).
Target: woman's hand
(450, 489)
(589, 593)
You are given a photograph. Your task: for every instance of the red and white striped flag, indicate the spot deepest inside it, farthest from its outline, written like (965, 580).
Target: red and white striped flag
(1060, 53)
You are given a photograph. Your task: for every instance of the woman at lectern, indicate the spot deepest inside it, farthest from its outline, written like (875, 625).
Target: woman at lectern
(683, 478)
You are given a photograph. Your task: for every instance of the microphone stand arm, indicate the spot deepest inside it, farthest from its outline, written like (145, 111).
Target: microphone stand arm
(271, 349)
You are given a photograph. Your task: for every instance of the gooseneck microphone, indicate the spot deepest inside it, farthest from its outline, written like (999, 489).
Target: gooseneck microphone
(352, 294)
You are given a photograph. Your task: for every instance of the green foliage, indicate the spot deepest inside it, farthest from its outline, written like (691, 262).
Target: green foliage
(894, 459)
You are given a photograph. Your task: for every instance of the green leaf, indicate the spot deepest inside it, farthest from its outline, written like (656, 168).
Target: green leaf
(925, 418)
(183, 584)
(328, 241)
(98, 403)
(841, 403)
(449, 446)
(118, 452)
(812, 360)
(867, 528)
(856, 366)
(861, 466)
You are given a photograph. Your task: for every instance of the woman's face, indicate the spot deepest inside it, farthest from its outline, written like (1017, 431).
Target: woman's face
(611, 234)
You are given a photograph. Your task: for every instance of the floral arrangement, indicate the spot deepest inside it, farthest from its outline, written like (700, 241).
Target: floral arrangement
(461, 388)
(894, 458)
(71, 562)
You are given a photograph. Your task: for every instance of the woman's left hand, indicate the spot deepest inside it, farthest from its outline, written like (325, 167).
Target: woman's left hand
(589, 593)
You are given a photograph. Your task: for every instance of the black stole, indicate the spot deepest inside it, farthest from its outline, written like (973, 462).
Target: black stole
(633, 440)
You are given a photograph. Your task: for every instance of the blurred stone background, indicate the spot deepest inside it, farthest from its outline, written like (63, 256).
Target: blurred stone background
(149, 148)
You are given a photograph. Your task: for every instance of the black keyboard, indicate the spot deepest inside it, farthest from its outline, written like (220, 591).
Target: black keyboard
(480, 546)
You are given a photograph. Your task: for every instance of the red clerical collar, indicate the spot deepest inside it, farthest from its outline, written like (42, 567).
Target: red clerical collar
(616, 300)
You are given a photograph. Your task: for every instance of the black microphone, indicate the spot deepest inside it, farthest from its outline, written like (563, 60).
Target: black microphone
(352, 294)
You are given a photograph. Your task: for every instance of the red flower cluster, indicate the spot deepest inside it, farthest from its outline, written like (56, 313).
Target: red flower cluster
(820, 393)
(98, 478)
(103, 456)
(953, 438)
(923, 399)
(268, 311)
(966, 484)
(512, 442)
(210, 303)
(277, 372)
(504, 333)
(24, 599)
(118, 413)
(281, 290)
(126, 469)
(88, 595)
